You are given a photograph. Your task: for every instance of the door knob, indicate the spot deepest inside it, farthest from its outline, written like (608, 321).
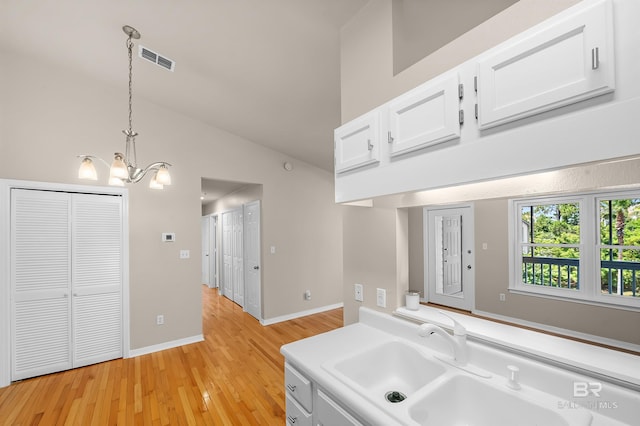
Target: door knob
(256, 267)
(468, 266)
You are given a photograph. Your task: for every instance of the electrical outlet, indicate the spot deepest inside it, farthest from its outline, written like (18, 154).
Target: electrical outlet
(503, 297)
(307, 295)
(160, 320)
(381, 297)
(359, 292)
(184, 254)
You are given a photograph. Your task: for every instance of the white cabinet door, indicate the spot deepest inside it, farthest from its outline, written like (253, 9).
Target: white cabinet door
(425, 116)
(66, 280)
(357, 143)
(329, 413)
(571, 60)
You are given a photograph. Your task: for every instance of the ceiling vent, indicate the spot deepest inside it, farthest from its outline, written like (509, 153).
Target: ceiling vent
(154, 57)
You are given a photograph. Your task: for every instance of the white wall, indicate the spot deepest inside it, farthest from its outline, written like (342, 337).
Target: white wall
(50, 114)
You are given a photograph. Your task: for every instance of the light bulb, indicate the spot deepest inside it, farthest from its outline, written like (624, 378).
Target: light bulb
(87, 170)
(153, 183)
(118, 168)
(162, 176)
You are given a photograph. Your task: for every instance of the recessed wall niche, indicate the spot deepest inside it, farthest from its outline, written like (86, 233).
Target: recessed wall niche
(420, 27)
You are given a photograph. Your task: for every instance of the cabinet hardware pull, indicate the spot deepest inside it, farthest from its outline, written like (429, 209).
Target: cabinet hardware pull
(292, 388)
(595, 58)
(369, 145)
(292, 420)
(389, 137)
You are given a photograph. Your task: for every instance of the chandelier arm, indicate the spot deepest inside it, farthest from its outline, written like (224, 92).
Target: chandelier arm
(94, 157)
(135, 175)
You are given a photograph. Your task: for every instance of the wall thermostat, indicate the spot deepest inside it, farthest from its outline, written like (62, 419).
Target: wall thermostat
(168, 237)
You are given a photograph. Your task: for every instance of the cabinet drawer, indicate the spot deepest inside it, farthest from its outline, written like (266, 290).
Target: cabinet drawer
(296, 415)
(298, 386)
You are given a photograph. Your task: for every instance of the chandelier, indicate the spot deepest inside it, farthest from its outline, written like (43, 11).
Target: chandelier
(124, 168)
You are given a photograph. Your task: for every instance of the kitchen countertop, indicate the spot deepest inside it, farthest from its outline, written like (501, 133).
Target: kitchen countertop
(375, 328)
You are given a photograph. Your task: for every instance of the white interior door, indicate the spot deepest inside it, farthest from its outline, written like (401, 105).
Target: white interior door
(205, 231)
(238, 257)
(449, 257)
(227, 255)
(252, 259)
(213, 250)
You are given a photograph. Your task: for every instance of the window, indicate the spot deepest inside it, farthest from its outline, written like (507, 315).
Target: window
(584, 247)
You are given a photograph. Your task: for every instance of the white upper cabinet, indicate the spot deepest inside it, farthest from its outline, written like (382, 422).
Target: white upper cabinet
(425, 116)
(357, 143)
(565, 63)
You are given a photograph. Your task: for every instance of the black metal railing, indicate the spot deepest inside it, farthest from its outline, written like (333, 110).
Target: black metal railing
(565, 273)
(613, 266)
(551, 271)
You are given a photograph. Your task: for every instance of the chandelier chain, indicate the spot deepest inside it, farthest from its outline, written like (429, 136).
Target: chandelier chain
(131, 154)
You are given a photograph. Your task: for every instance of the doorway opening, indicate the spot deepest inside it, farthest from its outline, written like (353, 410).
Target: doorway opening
(231, 241)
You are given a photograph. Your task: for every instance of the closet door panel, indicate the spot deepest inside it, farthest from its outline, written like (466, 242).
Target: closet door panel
(40, 283)
(97, 278)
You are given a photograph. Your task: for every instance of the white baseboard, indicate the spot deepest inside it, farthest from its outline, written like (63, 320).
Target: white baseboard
(563, 331)
(166, 345)
(301, 314)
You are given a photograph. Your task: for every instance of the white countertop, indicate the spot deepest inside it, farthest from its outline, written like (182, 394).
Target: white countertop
(311, 356)
(607, 362)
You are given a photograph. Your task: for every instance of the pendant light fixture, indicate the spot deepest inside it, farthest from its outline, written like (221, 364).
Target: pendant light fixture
(124, 168)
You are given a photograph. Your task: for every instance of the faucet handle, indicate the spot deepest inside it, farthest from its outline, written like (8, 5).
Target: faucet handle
(458, 329)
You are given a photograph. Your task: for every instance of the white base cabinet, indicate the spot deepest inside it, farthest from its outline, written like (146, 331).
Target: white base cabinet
(308, 405)
(330, 413)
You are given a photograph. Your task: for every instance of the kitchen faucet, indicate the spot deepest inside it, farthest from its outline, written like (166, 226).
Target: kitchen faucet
(458, 341)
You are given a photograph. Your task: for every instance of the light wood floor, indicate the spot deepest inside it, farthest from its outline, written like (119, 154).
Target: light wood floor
(234, 377)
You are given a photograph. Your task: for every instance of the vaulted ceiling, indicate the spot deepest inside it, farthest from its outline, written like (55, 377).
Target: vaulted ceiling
(266, 70)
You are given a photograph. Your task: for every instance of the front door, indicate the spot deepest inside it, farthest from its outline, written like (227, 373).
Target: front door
(449, 275)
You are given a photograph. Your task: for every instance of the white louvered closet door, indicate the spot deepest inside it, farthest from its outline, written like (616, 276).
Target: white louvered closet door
(66, 278)
(40, 283)
(96, 278)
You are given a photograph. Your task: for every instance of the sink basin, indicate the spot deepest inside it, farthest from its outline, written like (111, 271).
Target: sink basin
(464, 400)
(390, 367)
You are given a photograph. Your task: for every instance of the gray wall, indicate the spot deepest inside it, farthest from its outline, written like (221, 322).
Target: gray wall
(50, 114)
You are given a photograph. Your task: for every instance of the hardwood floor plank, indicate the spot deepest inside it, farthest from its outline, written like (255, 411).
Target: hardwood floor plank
(234, 377)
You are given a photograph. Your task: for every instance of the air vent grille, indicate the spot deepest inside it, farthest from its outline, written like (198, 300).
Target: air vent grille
(152, 56)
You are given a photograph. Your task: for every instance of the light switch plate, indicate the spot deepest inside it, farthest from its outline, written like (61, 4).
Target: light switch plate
(381, 297)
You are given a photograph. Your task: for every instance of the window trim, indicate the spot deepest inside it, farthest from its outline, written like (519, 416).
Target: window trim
(589, 248)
